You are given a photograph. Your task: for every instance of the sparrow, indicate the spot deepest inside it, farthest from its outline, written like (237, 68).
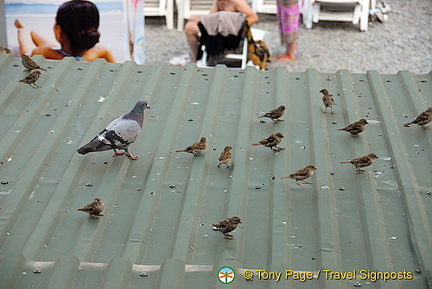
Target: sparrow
(29, 63)
(275, 114)
(228, 225)
(361, 162)
(197, 148)
(94, 209)
(32, 78)
(225, 157)
(327, 100)
(272, 142)
(119, 133)
(422, 119)
(302, 174)
(356, 127)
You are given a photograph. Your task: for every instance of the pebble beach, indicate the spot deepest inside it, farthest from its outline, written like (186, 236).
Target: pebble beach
(404, 42)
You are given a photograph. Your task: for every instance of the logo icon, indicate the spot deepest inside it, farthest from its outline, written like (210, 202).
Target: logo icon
(226, 275)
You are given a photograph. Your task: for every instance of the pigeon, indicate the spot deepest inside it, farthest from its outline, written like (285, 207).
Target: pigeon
(29, 63)
(356, 127)
(94, 209)
(272, 142)
(422, 119)
(361, 162)
(275, 114)
(119, 134)
(32, 78)
(225, 157)
(227, 225)
(302, 174)
(197, 148)
(327, 100)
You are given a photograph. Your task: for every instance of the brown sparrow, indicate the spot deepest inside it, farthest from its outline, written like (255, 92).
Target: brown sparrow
(272, 142)
(197, 148)
(422, 119)
(275, 114)
(302, 174)
(29, 63)
(31, 78)
(225, 157)
(327, 100)
(227, 225)
(94, 209)
(356, 127)
(361, 162)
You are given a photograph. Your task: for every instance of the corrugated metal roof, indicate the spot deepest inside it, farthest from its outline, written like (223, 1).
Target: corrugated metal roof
(158, 208)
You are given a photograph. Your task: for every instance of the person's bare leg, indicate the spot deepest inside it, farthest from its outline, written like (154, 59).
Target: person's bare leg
(289, 54)
(41, 40)
(25, 40)
(191, 31)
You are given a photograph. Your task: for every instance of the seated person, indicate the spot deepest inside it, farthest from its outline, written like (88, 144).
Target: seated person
(192, 30)
(76, 29)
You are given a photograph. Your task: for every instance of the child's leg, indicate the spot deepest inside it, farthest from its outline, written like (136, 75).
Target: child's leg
(29, 40)
(25, 40)
(41, 40)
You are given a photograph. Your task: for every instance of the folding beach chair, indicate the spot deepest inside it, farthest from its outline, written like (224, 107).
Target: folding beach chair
(355, 11)
(188, 8)
(160, 8)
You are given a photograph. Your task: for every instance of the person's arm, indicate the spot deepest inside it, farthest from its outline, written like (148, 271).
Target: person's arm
(243, 7)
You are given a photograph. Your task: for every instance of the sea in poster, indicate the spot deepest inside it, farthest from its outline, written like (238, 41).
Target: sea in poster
(41, 7)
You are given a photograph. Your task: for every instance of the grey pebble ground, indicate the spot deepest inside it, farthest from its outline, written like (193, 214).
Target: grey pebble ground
(404, 42)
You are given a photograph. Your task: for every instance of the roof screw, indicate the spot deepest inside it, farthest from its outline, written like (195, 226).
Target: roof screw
(89, 184)
(172, 186)
(341, 188)
(257, 187)
(143, 274)
(4, 182)
(37, 271)
(357, 284)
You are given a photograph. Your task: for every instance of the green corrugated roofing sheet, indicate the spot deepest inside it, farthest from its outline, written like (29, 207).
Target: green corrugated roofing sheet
(156, 233)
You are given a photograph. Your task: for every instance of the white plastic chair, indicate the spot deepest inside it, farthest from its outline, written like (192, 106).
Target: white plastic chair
(188, 8)
(160, 8)
(355, 11)
(257, 34)
(264, 6)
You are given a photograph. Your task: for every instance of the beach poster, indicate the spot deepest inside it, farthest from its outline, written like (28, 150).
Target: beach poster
(134, 30)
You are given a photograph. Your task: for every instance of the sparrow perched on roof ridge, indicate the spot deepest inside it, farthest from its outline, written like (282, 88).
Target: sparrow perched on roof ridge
(29, 63)
(361, 162)
(94, 209)
(197, 148)
(356, 127)
(327, 100)
(119, 133)
(225, 157)
(32, 78)
(275, 114)
(422, 119)
(227, 225)
(272, 142)
(302, 174)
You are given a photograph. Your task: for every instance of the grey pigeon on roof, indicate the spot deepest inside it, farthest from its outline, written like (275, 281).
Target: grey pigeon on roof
(119, 134)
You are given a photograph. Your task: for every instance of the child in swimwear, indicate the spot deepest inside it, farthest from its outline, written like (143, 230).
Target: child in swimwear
(76, 29)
